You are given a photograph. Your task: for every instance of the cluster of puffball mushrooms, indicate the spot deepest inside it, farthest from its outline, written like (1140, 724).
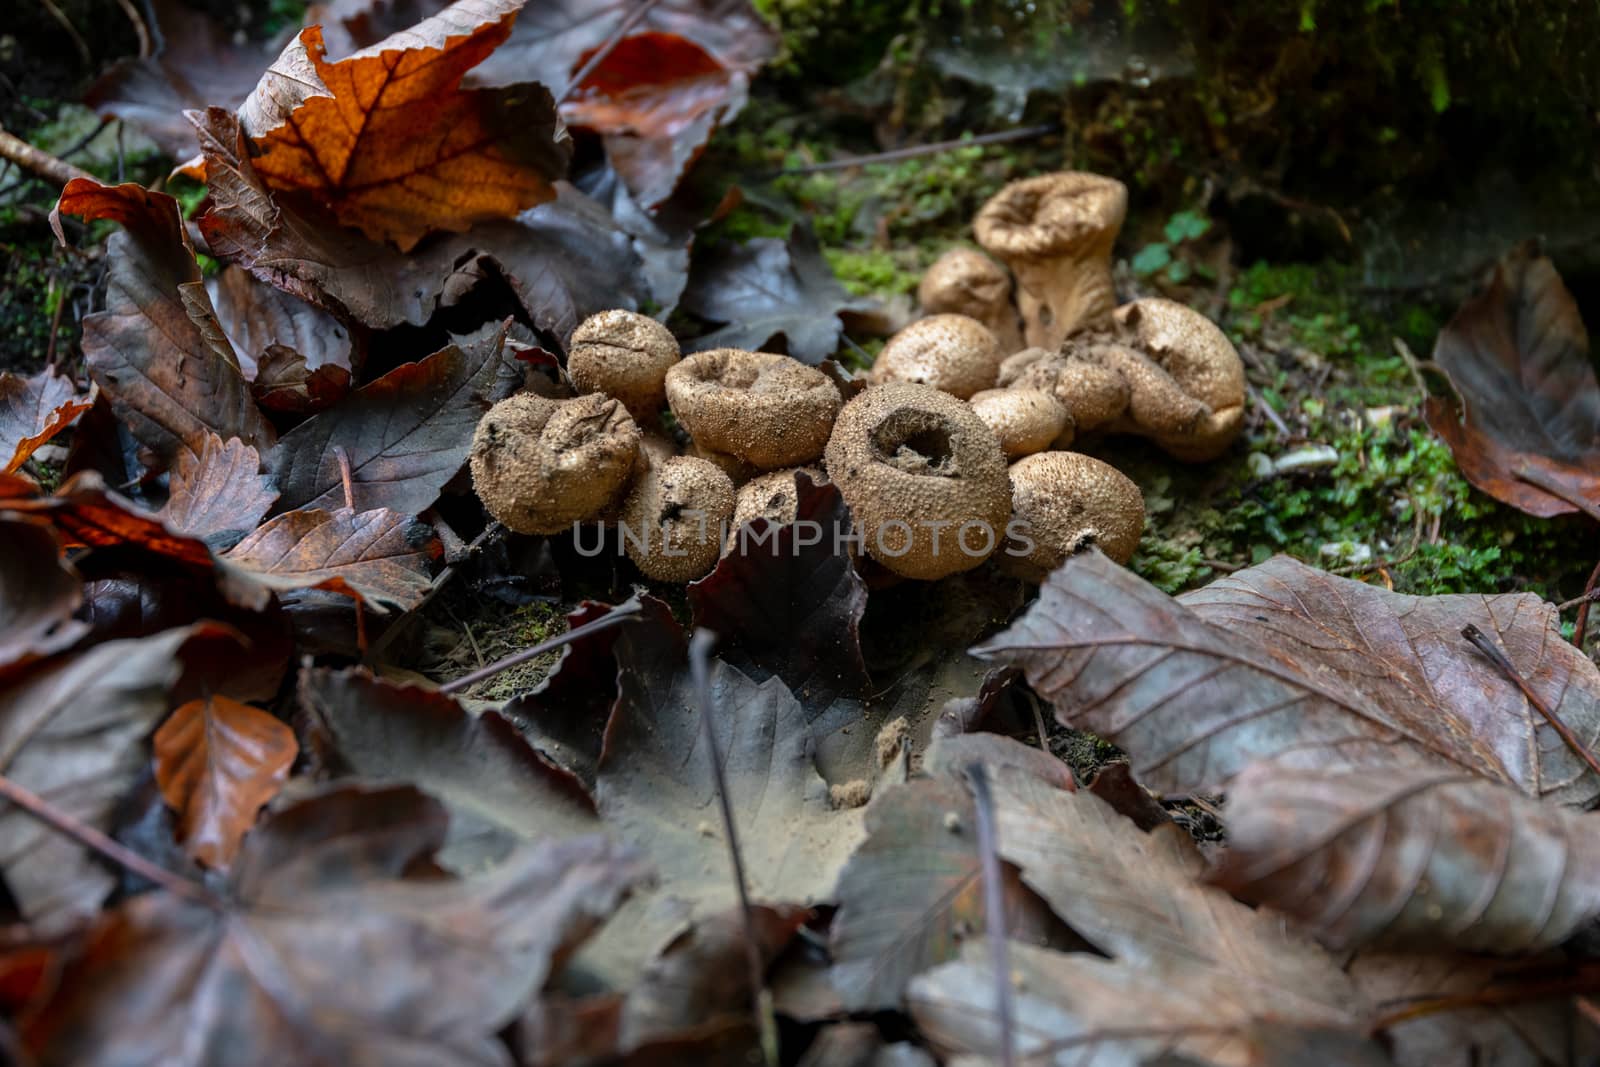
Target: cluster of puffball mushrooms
(965, 422)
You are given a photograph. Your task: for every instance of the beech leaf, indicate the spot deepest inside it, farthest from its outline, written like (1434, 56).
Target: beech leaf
(39, 594)
(379, 556)
(218, 763)
(219, 495)
(32, 411)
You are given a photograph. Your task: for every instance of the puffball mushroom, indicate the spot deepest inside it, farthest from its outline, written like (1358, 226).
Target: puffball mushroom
(1061, 501)
(770, 411)
(625, 355)
(674, 517)
(964, 281)
(953, 353)
(1024, 421)
(924, 478)
(772, 496)
(1055, 232)
(1200, 361)
(540, 465)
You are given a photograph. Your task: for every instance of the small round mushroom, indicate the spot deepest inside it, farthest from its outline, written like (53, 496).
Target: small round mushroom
(540, 465)
(770, 411)
(1055, 232)
(1192, 405)
(1024, 421)
(673, 519)
(1014, 365)
(1062, 501)
(772, 496)
(950, 352)
(964, 281)
(924, 478)
(625, 355)
(1093, 394)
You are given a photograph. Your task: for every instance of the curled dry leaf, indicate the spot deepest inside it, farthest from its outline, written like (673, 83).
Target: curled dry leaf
(269, 327)
(218, 763)
(73, 730)
(1416, 857)
(157, 350)
(1285, 661)
(219, 495)
(381, 557)
(39, 594)
(390, 143)
(32, 411)
(767, 288)
(444, 963)
(1518, 356)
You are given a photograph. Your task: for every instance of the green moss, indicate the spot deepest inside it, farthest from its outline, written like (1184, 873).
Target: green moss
(873, 273)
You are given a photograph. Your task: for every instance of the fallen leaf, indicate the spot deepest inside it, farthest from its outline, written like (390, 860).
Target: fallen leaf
(1518, 356)
(860, 1045)
(321, 887)
(157, 350)
(268, 326)
(499, 790)
(72, 731)
(381, 557)
(39, 594)
(219, 495)
(1285, 661)
(283, 383)
(32, 411)
(199, 65)
(768, 288)
(404, 435)
(388, 141)
(786, 600)
(218, 763)
(912, 894)
(1417, 857)
(1187, 969)
(661, 239)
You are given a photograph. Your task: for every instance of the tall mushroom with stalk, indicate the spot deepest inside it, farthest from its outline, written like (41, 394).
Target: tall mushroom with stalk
(1055, 232)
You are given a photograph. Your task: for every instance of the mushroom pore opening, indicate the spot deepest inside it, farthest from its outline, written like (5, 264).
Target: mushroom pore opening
(915, 442)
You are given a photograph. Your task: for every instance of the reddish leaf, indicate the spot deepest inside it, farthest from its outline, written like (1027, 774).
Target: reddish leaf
(327, 950)
(389, 141)
(404, 436)
(379, 556)
(1518, 355)
(218, 763)
(1283, 661)
(219, 495)
(73, 730)
(38, 594)
(157, 351)
(285, 384)
(32, 411)
(1421, 858)
(267, 325)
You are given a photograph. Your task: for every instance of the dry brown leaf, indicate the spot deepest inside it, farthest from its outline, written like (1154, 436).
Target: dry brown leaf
(218, 763)
(32, 411)
(39, 593)
(266, 325)
(1285, 661)
(389, 142)
(1518, 356)
(1412, 857)
(219, 495)
(157, 350)
(381, 556)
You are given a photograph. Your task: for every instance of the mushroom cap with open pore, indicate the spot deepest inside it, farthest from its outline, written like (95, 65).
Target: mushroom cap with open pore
(916, 466)
(625, 355)
(964, 281)
(954, 353)
(540, 465)
(770, 411)
(674, 517)
(1198, 357)
(772, 496)
(1055, 232)
(1062, 501)
(1024, 421)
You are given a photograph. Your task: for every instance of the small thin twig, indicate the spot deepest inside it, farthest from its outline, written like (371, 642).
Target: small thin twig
(1403, 350)
(700, 670)
(37, 160)
(1038, 720)
(72, 31)
(440, 580)
(1272, 416)
(625, 27)
(346, 478)
(994, 908)
(1486, 644)
(111, 849)
(1222, 565)
(146, 48)
(619, 614)
(1580, 625)
(1021, 133)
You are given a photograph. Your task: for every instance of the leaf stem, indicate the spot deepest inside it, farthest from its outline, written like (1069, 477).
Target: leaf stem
(994, 907)
(619, 614)
(625, 27)
(106, 846)
(1020, 133)
(1486, 644)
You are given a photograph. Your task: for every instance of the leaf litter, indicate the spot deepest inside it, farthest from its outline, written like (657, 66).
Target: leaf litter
(239, 828)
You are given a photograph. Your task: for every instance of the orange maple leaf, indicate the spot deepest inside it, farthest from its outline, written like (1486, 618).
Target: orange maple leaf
(389, 141)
